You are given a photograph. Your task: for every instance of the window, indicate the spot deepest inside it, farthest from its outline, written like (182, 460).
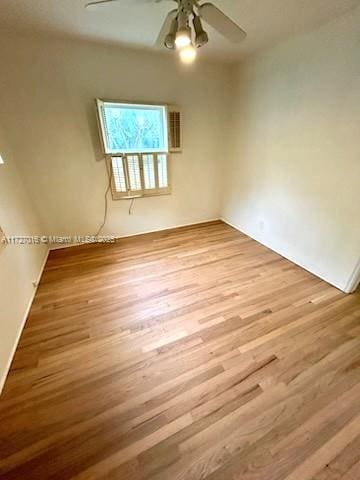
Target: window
(131, 128)
(135, 139)
(140, 175)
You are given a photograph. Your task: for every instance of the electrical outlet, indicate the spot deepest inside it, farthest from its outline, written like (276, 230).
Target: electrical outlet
(2, 239)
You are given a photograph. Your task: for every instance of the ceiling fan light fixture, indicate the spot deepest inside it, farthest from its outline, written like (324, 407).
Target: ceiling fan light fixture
(182, 27)
(170, 41)
(183, 34)
(188, 54)
(183, 38)
(171, 36)
(201, 37)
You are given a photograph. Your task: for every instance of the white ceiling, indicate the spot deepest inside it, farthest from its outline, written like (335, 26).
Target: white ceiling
(137, 22)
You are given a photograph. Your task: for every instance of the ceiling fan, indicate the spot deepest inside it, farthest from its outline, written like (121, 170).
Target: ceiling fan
(182, 28)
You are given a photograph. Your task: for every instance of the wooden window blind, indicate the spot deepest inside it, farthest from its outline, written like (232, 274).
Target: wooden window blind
(139, 175)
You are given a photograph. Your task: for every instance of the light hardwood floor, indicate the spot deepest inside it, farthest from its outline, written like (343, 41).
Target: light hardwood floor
(184, 355)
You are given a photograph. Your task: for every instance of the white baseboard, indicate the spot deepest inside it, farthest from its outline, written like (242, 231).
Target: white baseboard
(27, 311)
(270, 247)
(354, 280)
(145, 232)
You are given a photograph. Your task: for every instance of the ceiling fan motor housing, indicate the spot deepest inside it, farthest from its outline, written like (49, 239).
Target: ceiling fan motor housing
(183, 21)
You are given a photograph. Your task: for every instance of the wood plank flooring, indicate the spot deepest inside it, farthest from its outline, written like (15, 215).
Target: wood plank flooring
(189, 354)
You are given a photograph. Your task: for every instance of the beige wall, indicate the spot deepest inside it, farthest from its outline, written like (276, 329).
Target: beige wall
(293, 179)
(47, 97)
(20, 265)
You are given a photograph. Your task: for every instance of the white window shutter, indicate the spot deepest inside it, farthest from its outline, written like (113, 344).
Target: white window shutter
(149, 172)
(134, 174)
(118, 174)
(162, 166)
(175, 129)
(139, 175)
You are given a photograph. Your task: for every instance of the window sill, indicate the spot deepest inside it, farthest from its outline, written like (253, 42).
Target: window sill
(143, 195)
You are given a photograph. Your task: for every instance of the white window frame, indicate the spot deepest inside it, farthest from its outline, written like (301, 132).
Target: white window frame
(123, 155)
(144, 106)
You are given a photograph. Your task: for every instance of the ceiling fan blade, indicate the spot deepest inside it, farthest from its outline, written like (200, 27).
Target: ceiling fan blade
(223, 24)
(100, 3)
(165, 28)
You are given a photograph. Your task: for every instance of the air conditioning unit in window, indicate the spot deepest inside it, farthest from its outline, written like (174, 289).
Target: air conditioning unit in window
(175, 129)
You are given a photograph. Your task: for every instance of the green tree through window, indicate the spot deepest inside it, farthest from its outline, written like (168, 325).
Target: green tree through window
(135, 128)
